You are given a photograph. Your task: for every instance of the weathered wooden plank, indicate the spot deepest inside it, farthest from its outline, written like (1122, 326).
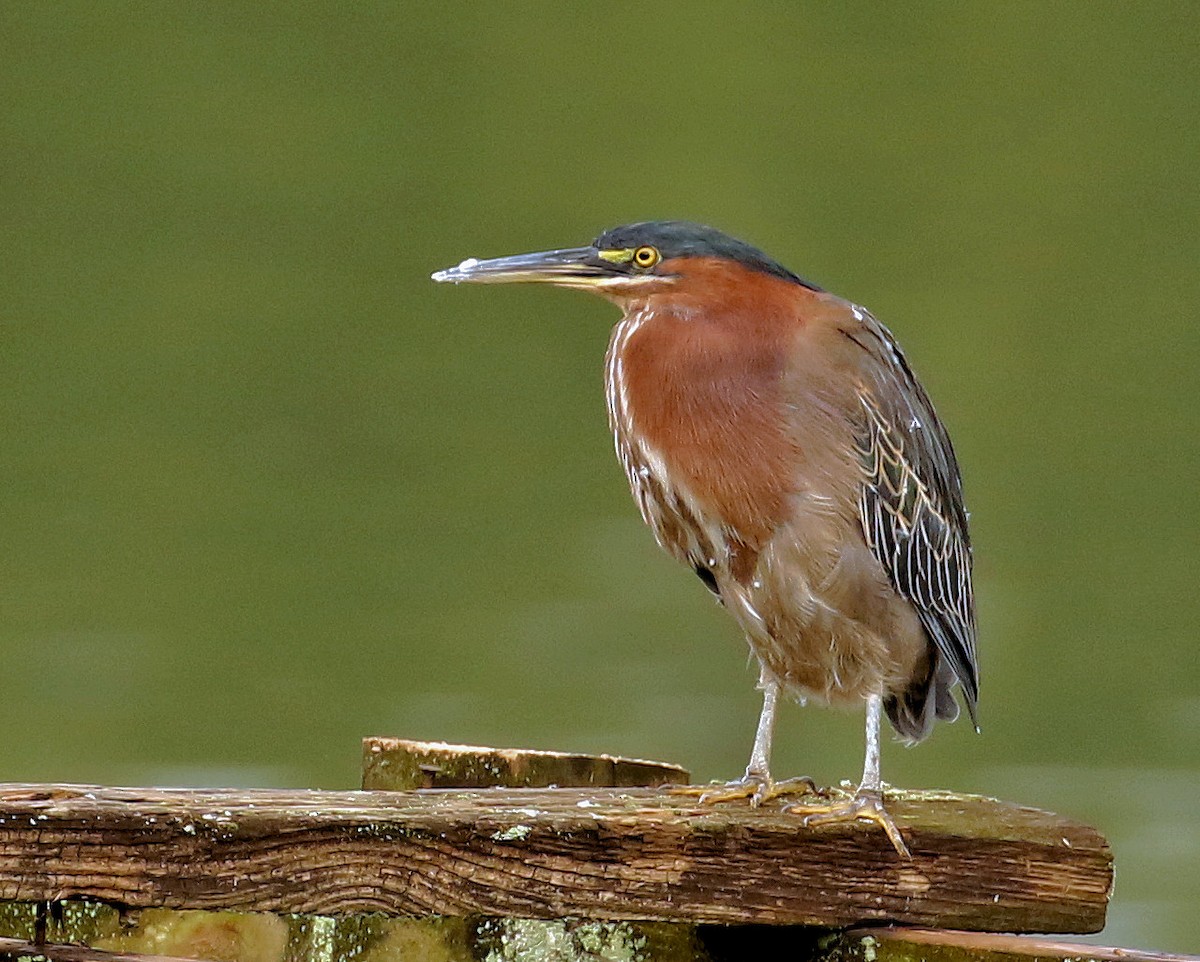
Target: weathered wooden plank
(897, 944)
(402, 764)
(596, 853)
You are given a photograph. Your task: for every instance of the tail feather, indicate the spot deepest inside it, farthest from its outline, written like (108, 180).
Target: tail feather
(913, 711)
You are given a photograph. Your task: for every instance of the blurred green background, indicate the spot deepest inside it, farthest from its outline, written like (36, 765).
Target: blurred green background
(266, 489)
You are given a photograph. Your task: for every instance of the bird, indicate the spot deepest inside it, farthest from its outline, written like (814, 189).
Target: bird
(777, 442)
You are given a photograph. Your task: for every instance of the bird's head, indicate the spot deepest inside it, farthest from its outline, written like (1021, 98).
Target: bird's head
(629, 262)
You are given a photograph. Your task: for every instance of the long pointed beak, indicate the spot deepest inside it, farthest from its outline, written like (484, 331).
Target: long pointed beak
(573, 267)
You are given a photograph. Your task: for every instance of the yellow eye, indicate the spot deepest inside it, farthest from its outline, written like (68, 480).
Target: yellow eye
(646, 257)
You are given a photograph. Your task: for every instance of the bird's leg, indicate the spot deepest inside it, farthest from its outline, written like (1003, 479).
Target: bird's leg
(867, 802)
(759, 768)
(758, 772)
(757, 784)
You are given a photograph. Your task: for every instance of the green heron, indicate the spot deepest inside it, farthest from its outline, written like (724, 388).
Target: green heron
(778, 443)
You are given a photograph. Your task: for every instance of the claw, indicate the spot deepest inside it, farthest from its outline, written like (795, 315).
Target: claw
(865, 805)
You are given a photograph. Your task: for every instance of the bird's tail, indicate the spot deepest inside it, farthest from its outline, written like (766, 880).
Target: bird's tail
(913, 711)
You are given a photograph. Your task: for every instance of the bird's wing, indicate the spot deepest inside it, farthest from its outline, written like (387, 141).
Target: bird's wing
(911, 502)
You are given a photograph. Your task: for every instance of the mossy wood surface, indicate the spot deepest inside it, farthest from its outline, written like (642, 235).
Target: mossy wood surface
(57, 952)
(164, 935)
(161, 935)
(550, 854)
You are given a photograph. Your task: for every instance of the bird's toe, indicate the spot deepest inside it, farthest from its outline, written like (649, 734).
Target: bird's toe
(753, 786)
(864, 805)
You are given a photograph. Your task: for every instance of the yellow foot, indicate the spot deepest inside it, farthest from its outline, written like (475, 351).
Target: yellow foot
(757, 788)
(862, 806)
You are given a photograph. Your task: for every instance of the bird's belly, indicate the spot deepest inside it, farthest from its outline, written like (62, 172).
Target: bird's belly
(816, 608)
(823, 618)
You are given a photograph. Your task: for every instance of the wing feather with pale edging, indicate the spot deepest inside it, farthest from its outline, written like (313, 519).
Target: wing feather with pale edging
(911, 503)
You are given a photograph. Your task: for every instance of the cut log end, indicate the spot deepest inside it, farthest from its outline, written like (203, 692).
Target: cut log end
(400, 764)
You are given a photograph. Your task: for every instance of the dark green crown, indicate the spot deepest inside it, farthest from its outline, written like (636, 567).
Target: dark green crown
(681, 238)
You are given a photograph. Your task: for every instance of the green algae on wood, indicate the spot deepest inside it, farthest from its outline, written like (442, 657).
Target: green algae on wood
(158, 934)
